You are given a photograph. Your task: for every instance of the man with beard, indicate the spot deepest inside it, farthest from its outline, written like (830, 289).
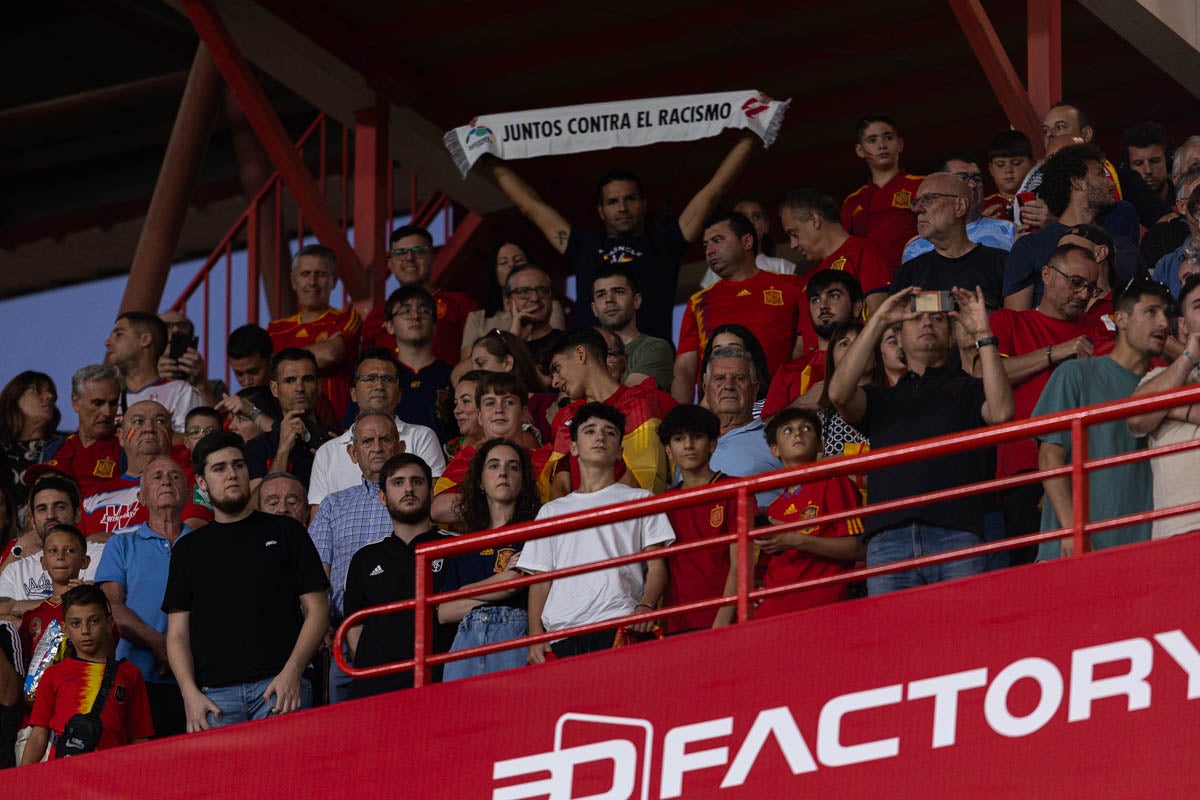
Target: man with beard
(616, 299)
(385, 572)
(246, 601)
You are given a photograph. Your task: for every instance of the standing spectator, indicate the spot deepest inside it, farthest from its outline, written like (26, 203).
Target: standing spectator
(411, 261)
(980, 229)
(621, 204)
(730, 386)
(879, 210)
(1171, 233)
(189, 366)
(136, 343)
(133, 575)
(275, 590)
(424, 377)
(12, 677)
(500, 351)
(1143, 319)
(499, 489)
(1146, 148)
(765, 258)
(507, 256)
(283, 493)
(1174, 475)
(466, 414)
(1166, 270)
(249, 351)
(1010, 157)
(385, 572)
(24, 583)
(933, 399)
(90, 455)
(770, 305)
(330, 334)
(839, 437)
(29, 418)
(292, 443)
(609, 593)
(616, 298)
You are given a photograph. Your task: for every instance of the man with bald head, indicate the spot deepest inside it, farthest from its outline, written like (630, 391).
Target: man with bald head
(942, 205)
(982, 229)
(133, 575)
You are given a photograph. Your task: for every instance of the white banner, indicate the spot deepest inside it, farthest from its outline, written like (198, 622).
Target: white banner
(602, 126)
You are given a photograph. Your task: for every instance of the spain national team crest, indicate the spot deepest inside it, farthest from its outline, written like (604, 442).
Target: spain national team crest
(716, 516)
(104, 468)
(773, 297)
(504, 557)
(902, 199)
(839, 263)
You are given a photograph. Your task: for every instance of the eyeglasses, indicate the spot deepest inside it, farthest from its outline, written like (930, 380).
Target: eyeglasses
(413, 311)
(1078, 284)
(926, 200)
(524, 291)
(198, 431)
(972, 178)
(376, 378)
(415, 252)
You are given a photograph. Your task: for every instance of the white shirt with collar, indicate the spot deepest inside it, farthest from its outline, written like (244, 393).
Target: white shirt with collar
(333, 470)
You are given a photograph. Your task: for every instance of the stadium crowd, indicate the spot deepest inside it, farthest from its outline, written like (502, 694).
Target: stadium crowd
(178, 562)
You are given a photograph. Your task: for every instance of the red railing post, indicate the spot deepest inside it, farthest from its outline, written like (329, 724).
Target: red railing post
(422, 629)
(251, 268)
(1080, 496)
(745, 569)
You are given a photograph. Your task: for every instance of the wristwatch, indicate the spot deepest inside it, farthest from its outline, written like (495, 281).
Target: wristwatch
(985, 341)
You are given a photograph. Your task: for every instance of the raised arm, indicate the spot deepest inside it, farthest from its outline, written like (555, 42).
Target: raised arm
(1173, 377)
(844, 392)
(552, 224)
(691, 221)
(972, 314)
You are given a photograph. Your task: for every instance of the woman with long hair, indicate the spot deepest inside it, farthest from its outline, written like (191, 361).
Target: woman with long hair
(501, 351)
(29, 418)
(507, 256)
(499, 489)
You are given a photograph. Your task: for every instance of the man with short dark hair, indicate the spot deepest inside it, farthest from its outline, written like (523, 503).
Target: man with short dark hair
(190, 365)
(24, 583)
(981, 229)
(425, 386)
(1146, 148)
(1170, 234)
(330, 334)
(527, 297)
(616, 298)
(1143, 318)
(293, 442)
(249, 352)
(134, 347)
(411, 260)
(621, 204)
(259, 572)
(878, 210)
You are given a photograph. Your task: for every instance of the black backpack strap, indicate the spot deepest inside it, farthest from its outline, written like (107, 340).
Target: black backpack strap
(110, 674)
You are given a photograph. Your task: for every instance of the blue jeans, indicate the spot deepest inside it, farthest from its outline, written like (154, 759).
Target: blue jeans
(240, 702)
(488, 625)
(339, 681)
(914, 539)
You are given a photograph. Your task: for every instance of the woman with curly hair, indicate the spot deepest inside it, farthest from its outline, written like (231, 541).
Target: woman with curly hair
(29, 418)
(499, 489)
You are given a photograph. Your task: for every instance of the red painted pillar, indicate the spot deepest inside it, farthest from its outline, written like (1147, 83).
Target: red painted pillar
(371, 165)
(169, 203)
(1045, 53)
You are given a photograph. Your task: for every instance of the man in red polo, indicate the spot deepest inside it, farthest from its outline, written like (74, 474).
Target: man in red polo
(879, 210)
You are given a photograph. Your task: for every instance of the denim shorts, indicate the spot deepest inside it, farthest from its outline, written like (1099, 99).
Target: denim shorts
(488, 625)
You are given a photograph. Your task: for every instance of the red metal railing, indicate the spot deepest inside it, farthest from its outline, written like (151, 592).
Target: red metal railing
(272, 201)
(1077, 421)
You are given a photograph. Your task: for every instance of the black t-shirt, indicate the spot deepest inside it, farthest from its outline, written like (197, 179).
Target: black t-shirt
(654, 260)
(943, 400)
(1149, 204)
(982, 266)
(1164, 238)
(240, 582)
(379, 573)
(260, 451)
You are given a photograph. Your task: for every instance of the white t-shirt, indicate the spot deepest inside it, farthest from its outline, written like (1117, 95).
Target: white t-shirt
(24, 579)
(178, 397)
(333, 470)
(1174, 475)
(780, 266)
(601, 595)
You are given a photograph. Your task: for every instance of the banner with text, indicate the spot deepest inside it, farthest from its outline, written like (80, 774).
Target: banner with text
(602, 126)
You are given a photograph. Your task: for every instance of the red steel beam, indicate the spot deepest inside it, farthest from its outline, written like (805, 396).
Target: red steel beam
(371, 165)
(1044, 53)
(998, 69)
(269, 130)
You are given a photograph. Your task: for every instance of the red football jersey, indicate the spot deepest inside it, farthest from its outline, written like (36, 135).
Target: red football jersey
(343, 323)
(794, 379)
(884, 214)
(861, 258)
(70, 687)
(114, 506)
(805, 502)
(452, 311)
(89, 466)
(998, 206)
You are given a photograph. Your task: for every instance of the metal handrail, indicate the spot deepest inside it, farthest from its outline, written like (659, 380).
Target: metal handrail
(1076, 420)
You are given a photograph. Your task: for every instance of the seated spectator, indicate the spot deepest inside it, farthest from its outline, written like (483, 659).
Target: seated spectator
(730, 385)
(765, 258)
(942, 206)
(878, 210)
(689, 433)
(255, 411)
(90, 455)
(1171, 233)
(283, 493)
(933, 399)
(136, 343)
(1167, 269)
(1143, 319)
(424, 378)
(834, 298)
(1099, 243)
(385, 572)
(616, 299)
(292, 444)
(769, 305)
(189, 364)
(350, 518)
(495, 314)
(77, 682)
(29, 418)
(375, 388)
(980, 229)
(466, 414)
(732, 334)
(1174, 475)
(840, 438)
(811, 551)
(330, 334)
(411, 261)
(1010, 157)
(133, 575)
(499, 488)
(1145, 149)
(249, 352)
(1077, 189)
(527, 295)
(607, 594)
(200, 422)
(500, 351)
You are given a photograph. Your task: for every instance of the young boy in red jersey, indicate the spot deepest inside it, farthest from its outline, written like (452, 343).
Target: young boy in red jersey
(808, 552)
(64, 556)
(881, 209)
(1010, 157)
(689, 433)
(70, 687)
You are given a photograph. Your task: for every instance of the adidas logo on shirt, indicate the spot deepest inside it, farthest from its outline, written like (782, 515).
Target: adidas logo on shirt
(377, 571)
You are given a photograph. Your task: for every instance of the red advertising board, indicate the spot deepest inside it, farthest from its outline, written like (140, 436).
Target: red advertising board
(1070, 679)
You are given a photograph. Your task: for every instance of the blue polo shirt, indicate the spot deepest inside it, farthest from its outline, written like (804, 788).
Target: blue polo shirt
(743, 452)
(139, 560)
